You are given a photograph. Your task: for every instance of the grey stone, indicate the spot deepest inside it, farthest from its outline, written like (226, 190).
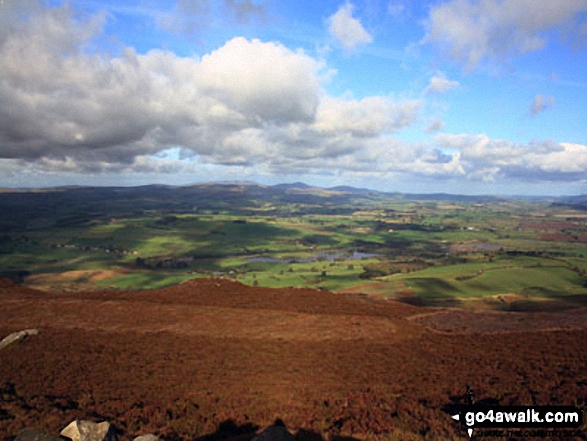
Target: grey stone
(17, 336)
(32, 434)
(149, 437)
(82, 430)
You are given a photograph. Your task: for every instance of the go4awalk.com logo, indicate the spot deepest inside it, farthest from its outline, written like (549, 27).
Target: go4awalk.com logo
(520, 417)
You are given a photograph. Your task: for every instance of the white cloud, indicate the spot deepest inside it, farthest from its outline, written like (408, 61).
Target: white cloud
(475, 30)
(540, 104)
(370, 116)
(440, 84)
(489, 159)
(568, 158)
(347, 30)
(261, 80)
(60, 101)
(248, 103)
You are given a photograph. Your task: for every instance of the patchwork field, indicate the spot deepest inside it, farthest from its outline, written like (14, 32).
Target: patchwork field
(435, 250)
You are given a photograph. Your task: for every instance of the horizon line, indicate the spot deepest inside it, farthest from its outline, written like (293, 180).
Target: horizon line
(300, 183)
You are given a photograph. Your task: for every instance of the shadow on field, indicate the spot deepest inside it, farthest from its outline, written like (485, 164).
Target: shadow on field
(230, 431)
(557, 302)
(569, 301)
(439, 293)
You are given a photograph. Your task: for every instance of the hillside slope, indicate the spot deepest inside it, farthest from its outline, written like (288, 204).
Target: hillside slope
(181, 361)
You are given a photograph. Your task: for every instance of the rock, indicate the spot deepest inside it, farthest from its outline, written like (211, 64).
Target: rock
(31, 434)
(17, 336)
(149, 437)
(81, 430)
(276, 432)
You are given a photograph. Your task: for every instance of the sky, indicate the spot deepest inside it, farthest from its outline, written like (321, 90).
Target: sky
(457, 96)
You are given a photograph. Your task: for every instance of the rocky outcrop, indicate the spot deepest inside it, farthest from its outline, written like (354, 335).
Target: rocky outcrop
(149, 437)
(82, 430)
(17, 336)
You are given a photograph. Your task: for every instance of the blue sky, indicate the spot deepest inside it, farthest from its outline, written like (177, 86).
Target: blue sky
(460, 96)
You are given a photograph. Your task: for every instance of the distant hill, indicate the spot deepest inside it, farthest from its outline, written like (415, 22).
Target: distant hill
(237, 196)
(580, 199)
(294, 185)
(452, 197)
(577, 202)
(354, 190)
(239, 183)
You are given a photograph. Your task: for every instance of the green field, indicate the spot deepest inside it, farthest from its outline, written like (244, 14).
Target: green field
(438, 252)
(474, 280)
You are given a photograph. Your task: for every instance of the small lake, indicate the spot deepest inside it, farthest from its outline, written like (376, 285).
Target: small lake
(326, 256)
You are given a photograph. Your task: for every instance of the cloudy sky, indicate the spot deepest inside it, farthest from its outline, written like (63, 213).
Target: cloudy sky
(461, 96)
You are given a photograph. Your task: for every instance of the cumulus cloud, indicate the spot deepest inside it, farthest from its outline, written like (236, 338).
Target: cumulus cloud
(488, 159)
(261, 80)
(440, 84)
(247, 103)
(370, 116)
(346, 29)
(61, 100)
(475, 30)
(540, 104)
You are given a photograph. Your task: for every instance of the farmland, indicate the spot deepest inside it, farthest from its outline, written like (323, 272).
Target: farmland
(477, 252)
